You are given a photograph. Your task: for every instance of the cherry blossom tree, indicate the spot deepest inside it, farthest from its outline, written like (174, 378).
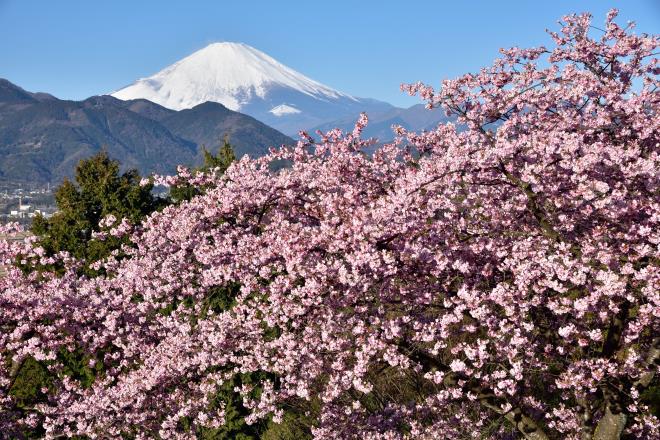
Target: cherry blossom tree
(496, 277)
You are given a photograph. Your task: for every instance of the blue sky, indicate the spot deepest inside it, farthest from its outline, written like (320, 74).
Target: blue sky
(75, 48)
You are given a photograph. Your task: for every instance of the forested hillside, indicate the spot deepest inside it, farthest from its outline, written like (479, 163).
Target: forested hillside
(42, 138)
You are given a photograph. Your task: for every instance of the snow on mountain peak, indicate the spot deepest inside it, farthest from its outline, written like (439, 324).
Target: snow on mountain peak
(233, 74)
(247, 80)
(283, 109)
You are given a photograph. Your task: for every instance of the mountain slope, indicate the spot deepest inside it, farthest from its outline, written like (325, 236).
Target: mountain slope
(42, 138)
(415, 118)
(11, 94)
(208, 123)
(245, 79)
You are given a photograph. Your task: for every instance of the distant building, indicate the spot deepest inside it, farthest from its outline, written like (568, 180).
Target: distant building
(38, 202)
(28, 211)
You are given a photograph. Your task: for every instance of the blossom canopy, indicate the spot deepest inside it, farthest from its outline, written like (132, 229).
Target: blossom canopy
(498, 276)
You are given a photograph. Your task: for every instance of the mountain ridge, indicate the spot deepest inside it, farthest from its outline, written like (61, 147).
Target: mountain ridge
(416, 118)
(42, 138)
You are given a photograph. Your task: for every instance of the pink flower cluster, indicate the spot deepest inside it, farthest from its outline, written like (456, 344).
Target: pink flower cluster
(507, 264)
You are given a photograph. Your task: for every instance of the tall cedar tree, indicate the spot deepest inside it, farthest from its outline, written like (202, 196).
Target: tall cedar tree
(99, 190)
(220, 162)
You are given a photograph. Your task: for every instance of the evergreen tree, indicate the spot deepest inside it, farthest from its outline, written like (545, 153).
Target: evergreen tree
(220, 162)
(99, 190)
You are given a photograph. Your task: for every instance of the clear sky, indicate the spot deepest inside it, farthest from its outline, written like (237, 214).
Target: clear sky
(77, 48)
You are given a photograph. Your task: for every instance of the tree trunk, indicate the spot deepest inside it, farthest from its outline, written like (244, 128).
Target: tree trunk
(610, 426)
(527, 427)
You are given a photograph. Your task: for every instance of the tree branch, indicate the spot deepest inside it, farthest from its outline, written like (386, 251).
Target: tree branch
(526, 425)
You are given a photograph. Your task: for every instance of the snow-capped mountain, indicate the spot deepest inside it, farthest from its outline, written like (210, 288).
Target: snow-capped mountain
(247, 80)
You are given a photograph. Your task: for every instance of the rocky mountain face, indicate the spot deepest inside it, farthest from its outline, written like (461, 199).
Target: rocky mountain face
(42, 138)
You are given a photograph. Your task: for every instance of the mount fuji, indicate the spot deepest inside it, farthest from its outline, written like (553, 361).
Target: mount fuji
(249, 81)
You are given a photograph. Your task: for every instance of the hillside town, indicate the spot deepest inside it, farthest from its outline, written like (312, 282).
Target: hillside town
(21, 204)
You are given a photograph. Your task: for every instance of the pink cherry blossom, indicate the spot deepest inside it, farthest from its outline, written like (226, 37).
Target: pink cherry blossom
(498, 276)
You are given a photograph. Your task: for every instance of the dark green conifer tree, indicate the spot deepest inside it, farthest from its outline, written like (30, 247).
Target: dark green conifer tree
(221, 162)
(99, 190)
